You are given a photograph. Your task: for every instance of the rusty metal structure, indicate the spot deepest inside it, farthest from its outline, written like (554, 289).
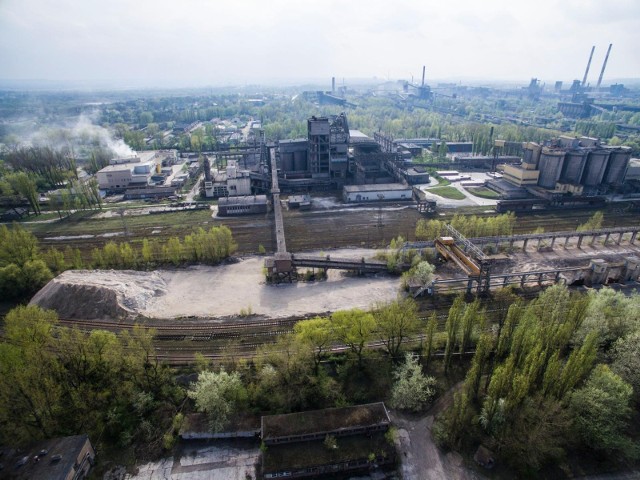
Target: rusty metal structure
(468, 255)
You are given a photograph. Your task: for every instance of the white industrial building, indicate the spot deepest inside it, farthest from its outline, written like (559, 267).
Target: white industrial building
(233, 182)
(379, 192)
(133, 171)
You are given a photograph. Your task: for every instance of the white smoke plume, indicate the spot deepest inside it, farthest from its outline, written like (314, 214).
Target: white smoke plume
(85, 128)
(81, 134)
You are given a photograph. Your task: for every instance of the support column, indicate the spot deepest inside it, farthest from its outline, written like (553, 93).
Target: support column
(553, 240)
(540, 279)
(580, 237)
(470, 285)
(606, 239)
(524, 246)
(566, 240)
(538, 246)
(619, 239)
(593, 239)
(633, 237)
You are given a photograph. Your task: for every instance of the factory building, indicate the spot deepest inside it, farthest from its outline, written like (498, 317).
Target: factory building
(570, 165)
(294, 157)
(134, 171)
(453, 147)
(233, 182)
(328, 147)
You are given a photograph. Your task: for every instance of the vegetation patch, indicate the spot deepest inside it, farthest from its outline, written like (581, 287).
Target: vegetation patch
(447, 192)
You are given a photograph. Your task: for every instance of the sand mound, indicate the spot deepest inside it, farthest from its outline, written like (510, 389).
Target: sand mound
(97, 294)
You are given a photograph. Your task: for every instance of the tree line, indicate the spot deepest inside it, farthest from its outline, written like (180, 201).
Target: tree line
(554, 375)
(24, 268)
(57, 381)
(468, 225)
(302, 370)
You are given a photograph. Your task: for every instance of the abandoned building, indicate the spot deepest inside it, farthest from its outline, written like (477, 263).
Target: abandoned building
(579, 166)
(318, 443)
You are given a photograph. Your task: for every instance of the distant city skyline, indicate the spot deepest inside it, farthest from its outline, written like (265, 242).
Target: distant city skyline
(205, 43)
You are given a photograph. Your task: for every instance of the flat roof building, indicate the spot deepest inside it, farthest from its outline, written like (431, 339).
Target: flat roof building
(379, 192)
(244, 205)
(296, 445)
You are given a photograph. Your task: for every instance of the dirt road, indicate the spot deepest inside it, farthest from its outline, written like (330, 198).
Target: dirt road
(420, 458)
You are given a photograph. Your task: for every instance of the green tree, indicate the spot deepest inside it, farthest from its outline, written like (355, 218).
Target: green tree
(412, 390)
(432, 325)
(25, 186)
(451, 328)
(22, 271)
(536, 434)
(601, 412)
(611, 314)
(395, 323)
(594, 223)
(626, 359)
(354, 328)
(219, 395)
(317, 334)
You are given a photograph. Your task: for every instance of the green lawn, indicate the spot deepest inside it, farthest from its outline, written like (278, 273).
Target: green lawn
(442, 182)
(85, 223)
(483, 192)
(447, 192)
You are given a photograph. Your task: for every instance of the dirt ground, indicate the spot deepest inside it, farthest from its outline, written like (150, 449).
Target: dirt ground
(420, 458)
(216, 292)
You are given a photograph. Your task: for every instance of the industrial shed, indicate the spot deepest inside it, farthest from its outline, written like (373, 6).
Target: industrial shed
(296, 445)
(247, 205)
(381, 192)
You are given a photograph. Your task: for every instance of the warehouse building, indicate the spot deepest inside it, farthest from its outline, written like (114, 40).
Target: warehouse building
(244, 205)
(375, 193)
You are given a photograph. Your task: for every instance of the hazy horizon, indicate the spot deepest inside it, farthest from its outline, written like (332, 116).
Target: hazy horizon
(157, 44)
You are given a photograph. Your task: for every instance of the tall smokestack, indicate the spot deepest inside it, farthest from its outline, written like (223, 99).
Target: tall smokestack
(604, 65)
(586, 72)
(423, 69)
(333, 84)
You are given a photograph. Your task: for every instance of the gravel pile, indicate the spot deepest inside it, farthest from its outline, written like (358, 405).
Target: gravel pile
(100, 294)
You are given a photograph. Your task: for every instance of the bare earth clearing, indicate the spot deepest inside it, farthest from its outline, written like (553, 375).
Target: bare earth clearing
(204, 291)
(234, 288)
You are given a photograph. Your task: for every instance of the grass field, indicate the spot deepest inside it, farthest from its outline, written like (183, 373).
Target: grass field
(447, 192)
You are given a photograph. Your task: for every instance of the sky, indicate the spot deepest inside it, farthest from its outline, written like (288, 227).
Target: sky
(162, 43)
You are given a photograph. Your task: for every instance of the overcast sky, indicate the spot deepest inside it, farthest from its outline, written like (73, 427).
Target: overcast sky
(210, 42)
